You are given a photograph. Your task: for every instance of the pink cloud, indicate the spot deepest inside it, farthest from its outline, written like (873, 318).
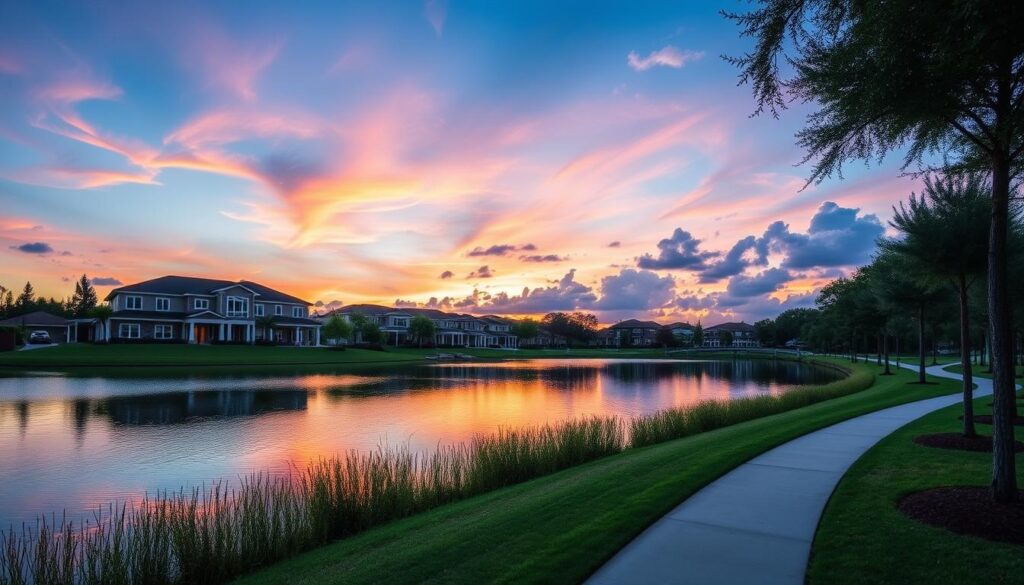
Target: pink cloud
(668, 56)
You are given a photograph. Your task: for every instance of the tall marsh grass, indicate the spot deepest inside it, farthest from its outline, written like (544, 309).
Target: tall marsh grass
(212, 534)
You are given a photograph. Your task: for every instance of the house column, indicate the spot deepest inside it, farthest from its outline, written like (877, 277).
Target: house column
(221, 336)
(298, 336)
(318, 337)
(191, 332)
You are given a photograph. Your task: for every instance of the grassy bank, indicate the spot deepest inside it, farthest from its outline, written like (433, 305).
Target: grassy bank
(863, 538)
(209, 536)
(563, 526)
(95, 356)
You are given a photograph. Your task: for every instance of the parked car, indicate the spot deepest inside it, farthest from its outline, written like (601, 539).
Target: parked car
(39, 337)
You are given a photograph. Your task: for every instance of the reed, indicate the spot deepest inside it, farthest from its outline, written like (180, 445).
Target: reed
(214, 533)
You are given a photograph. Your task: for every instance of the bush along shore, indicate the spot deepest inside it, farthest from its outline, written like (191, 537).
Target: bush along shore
(214, 534)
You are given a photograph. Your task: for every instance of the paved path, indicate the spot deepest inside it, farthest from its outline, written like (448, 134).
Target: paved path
(756, 523)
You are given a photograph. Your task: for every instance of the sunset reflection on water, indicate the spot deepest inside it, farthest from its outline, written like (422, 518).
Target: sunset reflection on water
(77, 443)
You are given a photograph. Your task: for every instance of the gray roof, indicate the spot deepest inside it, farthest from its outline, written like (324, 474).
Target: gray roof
(741, 326)
(36, 319)
(190, 285)
(635, 324)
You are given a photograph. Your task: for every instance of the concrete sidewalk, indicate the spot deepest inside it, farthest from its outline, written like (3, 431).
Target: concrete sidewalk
(756, 523)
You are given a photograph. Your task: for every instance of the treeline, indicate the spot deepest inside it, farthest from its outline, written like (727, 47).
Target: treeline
(81, 303)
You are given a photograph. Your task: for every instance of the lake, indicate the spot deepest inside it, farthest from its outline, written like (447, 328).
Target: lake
(76, 443)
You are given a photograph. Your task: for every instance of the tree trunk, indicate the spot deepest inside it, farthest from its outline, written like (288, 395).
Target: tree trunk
(920, 344)
(1004, 474)
(885, 349)
(897, 350)
(965, 359)
(878, 343)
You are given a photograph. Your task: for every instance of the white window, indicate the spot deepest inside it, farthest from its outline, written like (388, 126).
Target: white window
(259, 310)
(278, 310)
(163, 304)
(297, 312)
(163, 332)
(238, 307)
(133, 303)
(202, 304)
(129, 331)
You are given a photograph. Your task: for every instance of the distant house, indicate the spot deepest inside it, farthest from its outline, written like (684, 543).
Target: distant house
(59, 328)
(450, 329)
(743, 335)
(545, 338)
(204, 310)
(682, 331)
(631, 333)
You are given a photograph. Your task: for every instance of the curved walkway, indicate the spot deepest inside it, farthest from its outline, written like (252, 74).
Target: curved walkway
(756, 523)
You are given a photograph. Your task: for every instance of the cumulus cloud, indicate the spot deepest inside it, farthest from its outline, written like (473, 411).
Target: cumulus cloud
(328, 305)
(542, 258)
(681, 251)
(482, 272)
(737, 259)
(667, 56)
(405, 303)
(564, 295)
(105, 281)
(34, 248)
(635, 290)
(447, 274)
(763, 283)
(837, 236)
(614, 244)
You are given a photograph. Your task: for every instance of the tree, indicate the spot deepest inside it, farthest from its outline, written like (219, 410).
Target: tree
(698, 335)
(26, 300)
(371, 332)
(526, 329)
(102, 313)
(765, 332)
(943, 77)
(84, 299)
(266, 323)
(665, 338)
(336, 329)
(422, 329)
(725, 338)
(944, 232)
(577, 326)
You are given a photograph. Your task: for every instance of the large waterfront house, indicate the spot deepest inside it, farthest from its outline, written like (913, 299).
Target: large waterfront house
(743, 335)
(204, 310)
(450, 329)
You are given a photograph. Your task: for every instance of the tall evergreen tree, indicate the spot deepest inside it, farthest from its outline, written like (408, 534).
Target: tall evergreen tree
(27, 299)
(931, 77)
(84, 299)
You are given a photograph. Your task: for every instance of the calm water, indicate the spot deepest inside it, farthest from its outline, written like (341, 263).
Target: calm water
(75, 443)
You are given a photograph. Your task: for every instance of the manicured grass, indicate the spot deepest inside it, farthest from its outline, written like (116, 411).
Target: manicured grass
(863, 538)
(562, 527)
(87, 355)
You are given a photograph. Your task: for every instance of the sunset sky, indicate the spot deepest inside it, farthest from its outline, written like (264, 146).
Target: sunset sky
(512, 158)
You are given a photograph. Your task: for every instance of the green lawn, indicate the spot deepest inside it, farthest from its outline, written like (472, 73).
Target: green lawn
(563, 526)
(96, 356)
(863, 538)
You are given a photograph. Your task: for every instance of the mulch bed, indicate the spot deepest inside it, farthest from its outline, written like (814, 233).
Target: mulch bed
(958, 442)
(967, 510)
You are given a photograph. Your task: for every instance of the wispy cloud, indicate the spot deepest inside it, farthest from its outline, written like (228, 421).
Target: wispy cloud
(667, 56)
(436, 12)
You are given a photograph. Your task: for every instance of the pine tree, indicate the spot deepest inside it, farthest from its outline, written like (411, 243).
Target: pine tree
(84, 299)
(27, 298)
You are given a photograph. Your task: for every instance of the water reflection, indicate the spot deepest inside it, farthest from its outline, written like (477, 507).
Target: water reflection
(77, 442)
